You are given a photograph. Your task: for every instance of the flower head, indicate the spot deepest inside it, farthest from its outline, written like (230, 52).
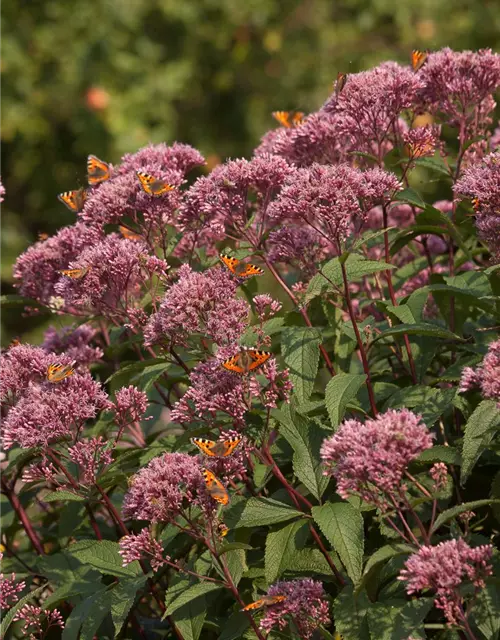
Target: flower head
(130, 405)
(22, 364)
(74, 342)
(443, 568)
(91, 456)
(160, 491)
(486, 376)
(203, 303)
(421, 141)
(370, 459)
(137, 546)
(9, 589)
(33, 616)
(305, 602)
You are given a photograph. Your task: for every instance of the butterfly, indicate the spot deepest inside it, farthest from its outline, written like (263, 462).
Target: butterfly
(246, 361)
(128, 234)
(42, 236)
(57, 372)
(240, 269)
(215, 488)
(221, 449)
(418, 59)
(153, 186)
(75, 199)
(289, 119)
(265, 601)
(75, 274)
(340, 84)
(97, 170)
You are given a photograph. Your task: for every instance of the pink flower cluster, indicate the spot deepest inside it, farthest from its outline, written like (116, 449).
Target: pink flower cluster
(486, 376)
(75, 342)
(137, 546)
(305, 605)
(33, 617)
(9, 589)
(369, 460)
(443, 568)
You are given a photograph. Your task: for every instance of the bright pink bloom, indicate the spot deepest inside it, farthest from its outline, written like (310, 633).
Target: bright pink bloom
(443, 568)
(22, 364)
(266, 307)
(306, 604)
(159, 491)
(370, 459)
(137, 546)
(91, 456)
(161, 157)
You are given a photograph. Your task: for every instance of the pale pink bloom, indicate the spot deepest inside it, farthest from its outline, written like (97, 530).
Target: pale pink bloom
(74, 342)
(33, 617)
(486, 376)
(141, 545)
(91, 457)
(439, 473)
(9, 589)
(421, 141)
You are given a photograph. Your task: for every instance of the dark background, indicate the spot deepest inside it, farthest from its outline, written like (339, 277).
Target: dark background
(107, 77)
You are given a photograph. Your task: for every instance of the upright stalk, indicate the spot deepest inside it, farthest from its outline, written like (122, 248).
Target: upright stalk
(21, 514)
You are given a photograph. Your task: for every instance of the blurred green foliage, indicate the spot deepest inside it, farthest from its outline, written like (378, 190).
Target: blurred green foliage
(109, 76)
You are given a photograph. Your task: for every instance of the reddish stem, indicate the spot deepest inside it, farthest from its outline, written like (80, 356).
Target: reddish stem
(25, 521)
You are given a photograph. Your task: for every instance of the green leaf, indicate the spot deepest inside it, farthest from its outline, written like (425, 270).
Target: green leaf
(190, 618)
(281, 547)
(350, 611)
(341, 390)
(430, 403)
(306, 439)
(9, 616)
(68, 576)
(410, 196)
(435, 164)
(258, 512)
(193, 592)
(412, 311)
(143, 374)
(54, 496)
(385, 553)
(235, 627)
(103, 555)
(440, 453)
(236, 563)
(479, 431)
(10, 300)
(122, 600)
(342, 526)
(399, 620)
(300, 350)
(447, 515)
(486, 611)
(86, 617)
(420, 329)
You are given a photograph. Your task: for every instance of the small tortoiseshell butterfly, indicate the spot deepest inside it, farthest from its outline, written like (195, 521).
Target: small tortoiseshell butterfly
(289, 119)
(246, 361)
(265, 601)
(220, 449)
(418, 59)
(42, 236)
(75, 274)
(97, 170)
(340, 84)
(74, 200)
(215, 489)
(153, 186)
(240, 269)
(128, 234)
(57, 372)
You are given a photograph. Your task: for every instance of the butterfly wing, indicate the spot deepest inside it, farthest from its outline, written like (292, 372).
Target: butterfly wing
(297, 118)
(205, 446)
(283, 117)
(75, 274)
(57, 372)
(257, 358)
(128, 234)
(235, 364)
(97, 170)
(249, 270)
(215, 488)
(153, 186)
(418, 59)
(227, 447)
(229, 262)
(265, 601)
(340, 84)
(74, 200)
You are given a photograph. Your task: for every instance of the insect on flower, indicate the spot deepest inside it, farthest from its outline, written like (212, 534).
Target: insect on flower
(240, 269)
(215, 489)
(289, 119)
(128, 234)
(75, 274)
(57, 372)
(221, 449)
(153, 186)
(265, 601)
(246, 361)
(418, 59)
(340, 82)
(74, 200)
(222, 530)
(97, 170)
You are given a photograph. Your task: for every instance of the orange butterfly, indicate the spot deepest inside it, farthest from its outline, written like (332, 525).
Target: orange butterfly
(246, 361)
(128, 234)
(240, 269)
(153, 186)
(340, 84)
(75, 274)
(97, 170)
(220, 449)
(418, 59)
(265, 601)
(215, 488)
(75, 199)
(289, 119)
(42, 236)
(57, 372)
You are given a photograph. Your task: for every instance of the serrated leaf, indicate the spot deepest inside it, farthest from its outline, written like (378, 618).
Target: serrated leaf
(86, 617)
(410, 196)
(281, 547)
(122, 600)
(236, 564)
(54, 496)
(104, 556)
(300, 350)
(430, 403)
(435, 164)
(235, 627)
(479, 431)
(341, 390)
(258, 512)
(9, 616)
(397, 621)
(447, 515)
(486, 611)
(342, 526)
(190, 618)
(350, 611)
(191, 593)
(420, 329)
(385, 553)
(441, 453)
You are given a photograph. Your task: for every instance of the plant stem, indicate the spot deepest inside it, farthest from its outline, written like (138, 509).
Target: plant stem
(361, 346)
(21, 514)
